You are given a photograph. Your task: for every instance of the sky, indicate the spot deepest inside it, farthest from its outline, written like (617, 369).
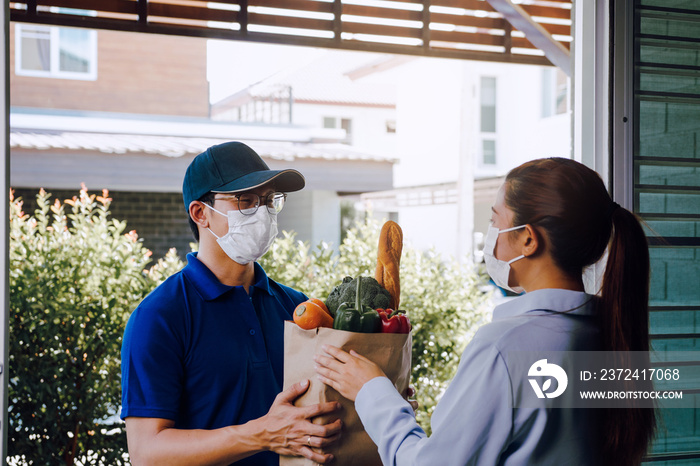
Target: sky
(233, 65)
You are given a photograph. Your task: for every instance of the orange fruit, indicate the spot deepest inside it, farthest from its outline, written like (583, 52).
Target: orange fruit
(309, 315)
(321, 304)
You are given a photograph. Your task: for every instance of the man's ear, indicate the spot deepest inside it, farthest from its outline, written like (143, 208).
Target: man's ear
(198, 214)
(530, 241)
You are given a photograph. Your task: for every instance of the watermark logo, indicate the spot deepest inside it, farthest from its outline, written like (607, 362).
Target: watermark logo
(542, 369)
(602, 379)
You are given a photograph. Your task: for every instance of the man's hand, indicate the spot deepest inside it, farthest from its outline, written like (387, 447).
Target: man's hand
(288, 429)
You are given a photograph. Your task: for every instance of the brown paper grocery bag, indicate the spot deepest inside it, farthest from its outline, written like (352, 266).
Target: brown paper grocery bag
(390, 351)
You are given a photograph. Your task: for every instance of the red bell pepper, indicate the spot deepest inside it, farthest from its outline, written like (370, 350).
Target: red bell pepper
(394, 321)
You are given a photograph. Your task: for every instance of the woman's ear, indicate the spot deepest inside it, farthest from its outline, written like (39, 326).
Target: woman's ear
(198, 214)
(530, 241)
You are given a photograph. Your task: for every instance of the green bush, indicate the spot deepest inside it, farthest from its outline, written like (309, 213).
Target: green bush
(444, 300)
(74, 279)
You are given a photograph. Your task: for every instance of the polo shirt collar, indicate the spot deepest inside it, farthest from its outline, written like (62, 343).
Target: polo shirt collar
(540, 301)
(261, 280)
(209, 287)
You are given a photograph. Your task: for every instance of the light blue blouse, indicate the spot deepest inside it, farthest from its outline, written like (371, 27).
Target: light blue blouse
(475, 422)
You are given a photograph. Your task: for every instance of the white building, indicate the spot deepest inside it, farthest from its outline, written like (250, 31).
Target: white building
(455, 127)
(460, 127)
(330, 92)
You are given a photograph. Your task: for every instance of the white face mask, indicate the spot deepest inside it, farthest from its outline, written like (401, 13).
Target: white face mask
(249, 236)
(499, 270)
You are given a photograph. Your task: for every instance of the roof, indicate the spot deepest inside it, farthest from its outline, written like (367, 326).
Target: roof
(110, 133)
(174, 146)
(143, 153)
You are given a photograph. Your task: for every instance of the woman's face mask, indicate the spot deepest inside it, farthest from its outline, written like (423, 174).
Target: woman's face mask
(249, 237)
(499, 270)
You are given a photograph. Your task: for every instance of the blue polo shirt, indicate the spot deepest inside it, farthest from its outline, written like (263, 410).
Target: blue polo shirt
(204, 354)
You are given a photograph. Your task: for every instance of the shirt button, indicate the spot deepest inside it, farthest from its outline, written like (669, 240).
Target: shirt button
(252, 331)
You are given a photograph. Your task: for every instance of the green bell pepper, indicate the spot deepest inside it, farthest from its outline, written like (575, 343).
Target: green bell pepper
(355, 317)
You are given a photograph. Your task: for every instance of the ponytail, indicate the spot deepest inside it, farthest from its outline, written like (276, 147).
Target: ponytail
(624, 321)
(624, 304)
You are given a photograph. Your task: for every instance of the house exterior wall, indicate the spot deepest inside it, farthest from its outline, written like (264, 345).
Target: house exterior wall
(136, 73)
(342, 176)
(149, 172)
(369, 124)
(158, 218)
(439, 135)
(428, 121)
(64, 169)
(326, 220)
(437, 124)
(431, 227)
(314, 215)
(522, 132)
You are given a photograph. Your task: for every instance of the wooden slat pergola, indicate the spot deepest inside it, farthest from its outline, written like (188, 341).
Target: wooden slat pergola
(534, 32)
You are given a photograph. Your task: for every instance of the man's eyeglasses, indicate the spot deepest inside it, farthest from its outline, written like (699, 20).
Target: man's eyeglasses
(248, 203)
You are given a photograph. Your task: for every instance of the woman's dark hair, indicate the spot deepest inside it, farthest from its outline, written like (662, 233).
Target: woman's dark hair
(577, 219)
(208, 199)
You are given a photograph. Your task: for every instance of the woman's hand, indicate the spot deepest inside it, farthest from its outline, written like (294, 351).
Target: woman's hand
(411, 392)
(346, 372)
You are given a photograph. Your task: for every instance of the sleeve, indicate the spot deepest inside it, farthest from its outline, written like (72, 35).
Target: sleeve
(152, 364)
(471, 424)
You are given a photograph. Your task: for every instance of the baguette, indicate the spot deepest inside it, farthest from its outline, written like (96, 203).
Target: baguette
(388, 260)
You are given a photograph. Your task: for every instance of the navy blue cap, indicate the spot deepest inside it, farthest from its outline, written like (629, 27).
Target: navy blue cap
(232, 167)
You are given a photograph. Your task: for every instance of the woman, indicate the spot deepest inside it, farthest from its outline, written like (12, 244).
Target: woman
(552, 218)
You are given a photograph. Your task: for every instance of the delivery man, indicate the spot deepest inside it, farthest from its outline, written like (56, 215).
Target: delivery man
(202, 355)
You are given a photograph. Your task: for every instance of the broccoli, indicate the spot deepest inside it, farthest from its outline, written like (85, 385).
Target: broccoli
(373, 294)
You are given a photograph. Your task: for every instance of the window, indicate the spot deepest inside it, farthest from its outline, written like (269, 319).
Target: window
(342, 123)
(488, 151)
(666, 192)
(329, 122)
(488, 105)
(555, 89)
(55, 52)
(488, 121)
(346, 124)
